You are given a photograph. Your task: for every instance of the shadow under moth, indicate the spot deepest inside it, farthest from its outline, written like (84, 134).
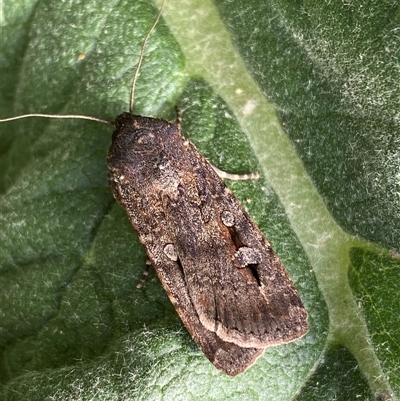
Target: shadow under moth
(221, 274)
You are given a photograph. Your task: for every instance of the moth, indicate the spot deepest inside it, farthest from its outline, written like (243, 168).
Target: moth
(221, 274)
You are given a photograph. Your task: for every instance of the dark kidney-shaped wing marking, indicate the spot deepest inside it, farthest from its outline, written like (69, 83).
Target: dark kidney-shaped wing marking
(225, 281)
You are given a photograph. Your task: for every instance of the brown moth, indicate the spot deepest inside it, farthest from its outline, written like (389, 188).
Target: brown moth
(221, 274)
(225, 281)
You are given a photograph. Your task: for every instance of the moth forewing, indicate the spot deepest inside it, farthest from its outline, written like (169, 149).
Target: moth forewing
(219, 271)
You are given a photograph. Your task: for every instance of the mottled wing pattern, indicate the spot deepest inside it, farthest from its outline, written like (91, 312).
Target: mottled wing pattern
(225, 281)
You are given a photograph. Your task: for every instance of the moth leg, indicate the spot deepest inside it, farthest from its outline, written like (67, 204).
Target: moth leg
(145, 274)
(235, 177)
(178, 121)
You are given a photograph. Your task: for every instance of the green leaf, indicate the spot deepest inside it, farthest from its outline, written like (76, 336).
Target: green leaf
(338, 377)
(375, 281)
(306, 94)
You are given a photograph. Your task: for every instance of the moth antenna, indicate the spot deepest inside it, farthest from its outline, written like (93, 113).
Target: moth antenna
(132, 97)
(75, 116)
(141, 55)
